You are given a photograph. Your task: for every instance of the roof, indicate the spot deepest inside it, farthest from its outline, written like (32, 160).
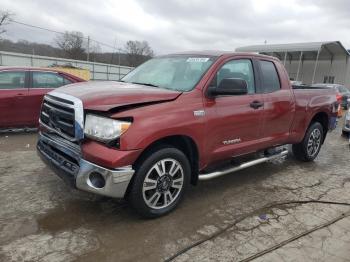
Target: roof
(218, 53)
(310, 49)
(204, 52)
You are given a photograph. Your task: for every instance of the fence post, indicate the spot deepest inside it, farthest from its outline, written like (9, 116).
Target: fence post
(107, 72)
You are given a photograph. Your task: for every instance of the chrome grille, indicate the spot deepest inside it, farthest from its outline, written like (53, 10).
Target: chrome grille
(63, 114)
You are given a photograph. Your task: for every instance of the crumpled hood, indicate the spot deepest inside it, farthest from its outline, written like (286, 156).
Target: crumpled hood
(107, 95)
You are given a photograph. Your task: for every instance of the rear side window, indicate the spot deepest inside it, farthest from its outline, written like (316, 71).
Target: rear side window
(270, 79)
(48, 80)
(12, 80)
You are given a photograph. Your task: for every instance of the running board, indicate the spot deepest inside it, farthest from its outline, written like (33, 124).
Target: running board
(18, 130)
(216, 174)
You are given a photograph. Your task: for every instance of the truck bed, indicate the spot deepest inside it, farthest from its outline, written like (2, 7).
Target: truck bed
(308, 87)
(308, 102)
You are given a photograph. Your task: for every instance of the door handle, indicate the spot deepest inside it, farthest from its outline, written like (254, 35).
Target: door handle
(256, 104)
(20, 96)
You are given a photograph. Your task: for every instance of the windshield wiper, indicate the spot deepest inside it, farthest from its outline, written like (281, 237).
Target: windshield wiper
(145, 84)
(152, 85)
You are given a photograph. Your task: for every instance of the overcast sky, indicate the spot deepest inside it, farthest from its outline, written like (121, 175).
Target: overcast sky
(171, 26)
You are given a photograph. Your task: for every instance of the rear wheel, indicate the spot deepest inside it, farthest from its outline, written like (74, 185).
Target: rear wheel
(160, 182)
(308, 149)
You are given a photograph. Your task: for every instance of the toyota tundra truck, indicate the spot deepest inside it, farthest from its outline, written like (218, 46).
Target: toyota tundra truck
(179, 119)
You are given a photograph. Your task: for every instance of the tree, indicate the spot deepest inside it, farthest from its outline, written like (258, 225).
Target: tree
(138, 52)
(5, 17)
(72, 43)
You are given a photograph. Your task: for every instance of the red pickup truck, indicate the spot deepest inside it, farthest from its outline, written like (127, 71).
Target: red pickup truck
(177, 119)
(22, 90)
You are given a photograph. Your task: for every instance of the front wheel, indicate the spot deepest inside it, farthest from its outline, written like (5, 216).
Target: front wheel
(308, 149)
(160, 182)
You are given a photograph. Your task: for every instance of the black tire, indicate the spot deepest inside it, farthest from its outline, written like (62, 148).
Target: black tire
(301, 151)
(136, 195)
(345, 133)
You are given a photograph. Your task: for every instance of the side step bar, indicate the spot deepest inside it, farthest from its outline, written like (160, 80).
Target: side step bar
(216, 174)
(18, 130)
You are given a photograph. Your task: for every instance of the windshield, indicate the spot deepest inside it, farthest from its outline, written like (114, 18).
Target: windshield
(180, 72)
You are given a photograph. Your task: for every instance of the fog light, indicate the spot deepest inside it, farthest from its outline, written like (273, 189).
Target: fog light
(97, 180)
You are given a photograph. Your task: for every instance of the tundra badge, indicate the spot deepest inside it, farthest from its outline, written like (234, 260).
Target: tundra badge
(232, 141)
(199, 113)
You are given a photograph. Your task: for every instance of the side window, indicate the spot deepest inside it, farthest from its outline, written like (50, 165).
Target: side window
(47, 80)
(241, 68)
(12, 80)
(270, 79)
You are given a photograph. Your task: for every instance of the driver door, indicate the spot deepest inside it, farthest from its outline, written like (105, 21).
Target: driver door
(234, 121)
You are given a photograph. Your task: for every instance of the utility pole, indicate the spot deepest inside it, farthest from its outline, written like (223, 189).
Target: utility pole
(32, 58)
(119, 62)
(114, 50)
(88, 49)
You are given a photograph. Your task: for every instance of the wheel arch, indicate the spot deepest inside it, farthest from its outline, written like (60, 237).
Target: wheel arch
(323, 119)
(184, 143)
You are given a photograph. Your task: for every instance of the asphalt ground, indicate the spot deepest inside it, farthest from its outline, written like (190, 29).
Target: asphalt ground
(281, 211)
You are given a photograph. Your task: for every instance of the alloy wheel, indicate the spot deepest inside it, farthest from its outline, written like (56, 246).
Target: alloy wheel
(314, 142)
(163, 183)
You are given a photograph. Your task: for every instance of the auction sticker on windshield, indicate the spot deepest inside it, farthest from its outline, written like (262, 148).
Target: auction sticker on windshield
(197, 59)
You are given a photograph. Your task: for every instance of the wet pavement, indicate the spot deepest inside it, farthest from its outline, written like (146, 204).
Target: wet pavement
(279, 211)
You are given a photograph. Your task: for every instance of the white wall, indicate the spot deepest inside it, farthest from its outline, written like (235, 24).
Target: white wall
(339, 68)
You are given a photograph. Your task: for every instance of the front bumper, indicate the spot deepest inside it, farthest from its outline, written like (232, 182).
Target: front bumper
(65, 159)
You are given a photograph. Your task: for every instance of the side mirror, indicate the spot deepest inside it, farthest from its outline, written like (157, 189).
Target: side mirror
(229, 86)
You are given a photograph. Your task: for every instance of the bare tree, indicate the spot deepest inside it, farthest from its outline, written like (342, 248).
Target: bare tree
(72, 43)
(5, 17)
(138, 52)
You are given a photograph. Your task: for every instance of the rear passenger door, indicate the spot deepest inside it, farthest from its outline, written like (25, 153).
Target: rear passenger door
(278, 103)
(13, 94)
(43, 82)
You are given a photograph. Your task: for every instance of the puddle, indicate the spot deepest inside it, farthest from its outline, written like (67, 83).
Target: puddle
(74, 214)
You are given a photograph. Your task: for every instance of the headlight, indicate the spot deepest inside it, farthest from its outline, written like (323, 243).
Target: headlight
(103, 128)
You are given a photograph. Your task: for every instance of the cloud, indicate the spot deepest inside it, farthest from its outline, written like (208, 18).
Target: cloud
(176, 25)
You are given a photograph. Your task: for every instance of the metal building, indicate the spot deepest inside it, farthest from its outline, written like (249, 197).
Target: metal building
(315, 62)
